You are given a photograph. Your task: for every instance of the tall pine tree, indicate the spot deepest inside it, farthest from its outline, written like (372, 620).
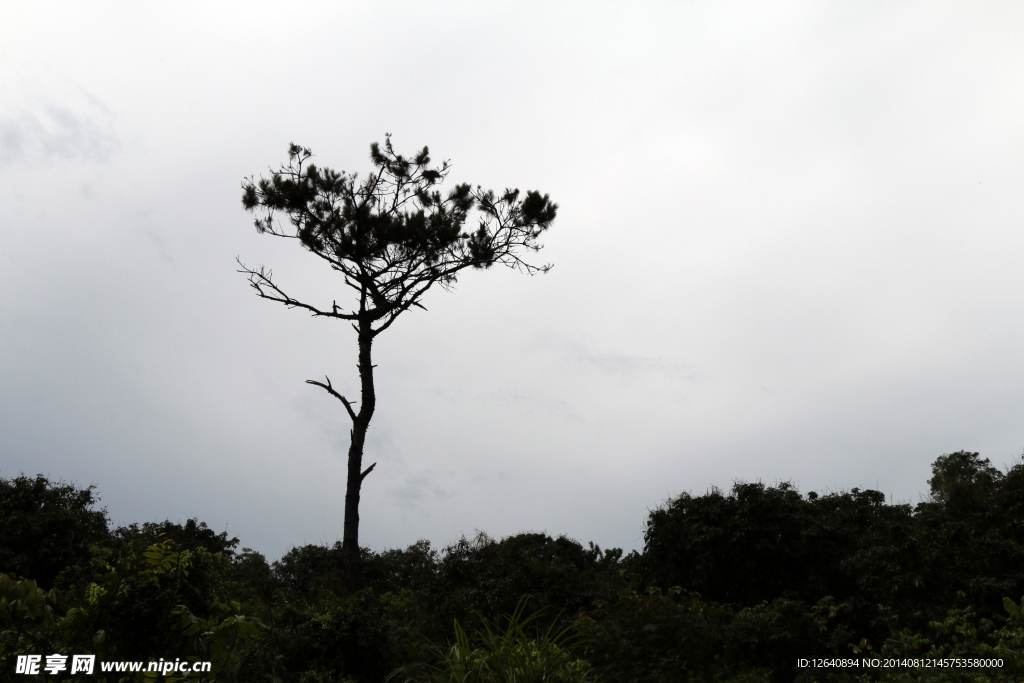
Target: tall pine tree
(392, 236)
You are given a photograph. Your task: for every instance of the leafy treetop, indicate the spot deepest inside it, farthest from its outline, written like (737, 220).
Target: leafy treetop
(393, 234)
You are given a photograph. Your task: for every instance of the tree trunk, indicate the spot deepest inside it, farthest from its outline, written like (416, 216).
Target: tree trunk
(367, 403)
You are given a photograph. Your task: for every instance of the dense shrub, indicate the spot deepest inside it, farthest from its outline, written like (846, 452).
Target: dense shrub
(771, 637)
(761, 542)
(305, 570)
(47, 526)
(516, 649)
(655, 638)
(778, 576)
(414, 568)
(358, 638)
(758, 543)
(957, 642)
(140, 605)
(486, 578)
(188, 536)
(971, 535)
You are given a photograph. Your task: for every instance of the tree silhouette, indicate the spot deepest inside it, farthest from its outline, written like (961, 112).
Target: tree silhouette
(392, 236)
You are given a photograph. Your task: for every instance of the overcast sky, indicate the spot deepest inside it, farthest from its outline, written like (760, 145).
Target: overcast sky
(789, 247)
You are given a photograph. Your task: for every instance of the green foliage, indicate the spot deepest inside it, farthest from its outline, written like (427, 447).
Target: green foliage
(253, 576)
(971, 534)
(305, 570)
(677, 636)
(140, 605)
(655, 638)
(138, 595)
(963, 479)
(317, 631)
(360, 637)
(961, 635)
(806, 577)
(772, 636)
(394, 570)
(27, 621)
(512, 651)
(46, 526)
(191, 535)
(759, 543)
(487, 577)
(395, 224)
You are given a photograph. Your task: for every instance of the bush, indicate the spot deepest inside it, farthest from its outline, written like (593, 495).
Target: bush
(484, 578)
(140, 606)
(189, 536)
(47, 526)
(961, 635)
(655, 638)
(759, 543)
(513, 651)
(305, 570)
(359, 638)
(392, 571)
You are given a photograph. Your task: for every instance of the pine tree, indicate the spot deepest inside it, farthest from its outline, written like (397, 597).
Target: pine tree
(391, 236)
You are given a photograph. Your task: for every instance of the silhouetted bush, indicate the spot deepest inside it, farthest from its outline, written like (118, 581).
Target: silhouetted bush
(190, 535)
(47, 526)
(731, 588)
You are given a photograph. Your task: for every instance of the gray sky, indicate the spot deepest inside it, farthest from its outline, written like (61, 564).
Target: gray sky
(789, 248)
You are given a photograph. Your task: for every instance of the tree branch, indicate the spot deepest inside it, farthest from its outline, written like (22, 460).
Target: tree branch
(366, 472)
(258, 279)
(330, 390)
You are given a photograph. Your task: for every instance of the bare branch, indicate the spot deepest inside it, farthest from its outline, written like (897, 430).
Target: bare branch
(330, 390)
(262, 278)
(366, 472)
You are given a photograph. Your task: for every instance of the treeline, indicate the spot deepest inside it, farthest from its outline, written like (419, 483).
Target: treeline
(731, 586)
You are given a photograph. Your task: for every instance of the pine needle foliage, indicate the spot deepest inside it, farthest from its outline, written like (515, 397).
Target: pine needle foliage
(393, 234)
